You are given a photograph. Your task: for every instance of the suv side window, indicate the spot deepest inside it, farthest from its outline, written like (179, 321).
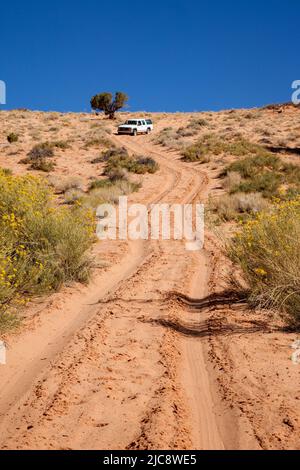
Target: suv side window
(139, 123)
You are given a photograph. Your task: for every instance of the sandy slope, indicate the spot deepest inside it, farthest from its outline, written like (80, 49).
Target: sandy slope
(106, 374)
(146, 356)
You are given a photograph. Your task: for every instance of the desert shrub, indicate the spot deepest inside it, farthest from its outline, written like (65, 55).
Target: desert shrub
(175, 143)
(98, 141)
(197, 123)
(39, 154)
(237, 206)
(127, 187)
(61, 144)
(42, 150)
(231, 181)
(109, 192)
(119, 162)
(120, 152)
(65, 184)
(100, 184)
(201, 151)
(268, 251)
(249, 116)
(265, 173)
(42, 164)
(195, 154)
(12, 137)
(96, 125)
(73, 196)
(212, 144)
(240, 147)
(51, 117)
(185, 132)
(41, 246)
(167, 137)
(98, 159)
(267, 183)
(254, 165)
(6, 171)
(110, 154)
(115, 172)
(145, 165)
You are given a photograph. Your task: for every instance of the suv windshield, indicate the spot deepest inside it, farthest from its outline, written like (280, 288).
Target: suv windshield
(131, 123)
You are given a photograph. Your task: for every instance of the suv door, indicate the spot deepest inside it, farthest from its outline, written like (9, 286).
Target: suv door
(144, 124)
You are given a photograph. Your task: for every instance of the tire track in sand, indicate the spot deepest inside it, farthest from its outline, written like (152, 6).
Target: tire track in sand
(116, 382)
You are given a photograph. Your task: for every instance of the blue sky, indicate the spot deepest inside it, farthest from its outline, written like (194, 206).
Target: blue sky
(179, 55)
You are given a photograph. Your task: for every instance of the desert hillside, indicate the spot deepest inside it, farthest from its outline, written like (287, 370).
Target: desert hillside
(123, 344)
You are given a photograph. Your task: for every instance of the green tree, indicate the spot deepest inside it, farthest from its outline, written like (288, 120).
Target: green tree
(109, 105)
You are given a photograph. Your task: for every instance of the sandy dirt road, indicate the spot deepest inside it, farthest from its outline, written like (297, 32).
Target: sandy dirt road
(111, 368)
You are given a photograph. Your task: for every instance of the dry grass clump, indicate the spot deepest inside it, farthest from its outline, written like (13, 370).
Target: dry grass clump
(212, 145)
(171, 138)
(251, 166)
(98, 138)
(72, 196)
(42, 150)
(61, 185)
(42, 164)
(6, 171)
(237, 207)
(118, 162)
(240, 147)
(98, 142)
(145, 165)
(197, 124)
(265, 173)
(113, 152)
(185, 132)
(61, 144)
(108, 192)
(38, 157)
(103, 183)
(232, 180)
(202, 150)
(268, 251)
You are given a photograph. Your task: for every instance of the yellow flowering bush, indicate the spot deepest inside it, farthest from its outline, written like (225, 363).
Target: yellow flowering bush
(268, 250)
(41, 245)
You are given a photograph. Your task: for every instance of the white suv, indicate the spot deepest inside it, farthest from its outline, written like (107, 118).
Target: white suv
(136, 126)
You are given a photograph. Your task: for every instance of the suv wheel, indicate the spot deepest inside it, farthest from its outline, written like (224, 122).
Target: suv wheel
(134, 132)
(148, 130)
